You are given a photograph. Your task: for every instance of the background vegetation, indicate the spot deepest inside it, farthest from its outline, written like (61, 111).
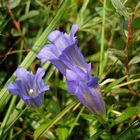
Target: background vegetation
(109, 38)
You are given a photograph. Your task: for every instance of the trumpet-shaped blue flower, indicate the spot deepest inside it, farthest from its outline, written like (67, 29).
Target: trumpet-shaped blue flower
(64, 54)
(63, 51)
(29, 87)
(87, 89)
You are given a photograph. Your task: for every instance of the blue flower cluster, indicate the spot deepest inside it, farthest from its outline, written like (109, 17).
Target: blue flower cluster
(64, 54)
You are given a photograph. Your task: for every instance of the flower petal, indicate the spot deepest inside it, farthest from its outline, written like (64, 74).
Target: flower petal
(14, 88)
(17, 88)
(44, 88)
(91, 98)
(48, 52)
(71, 75)
(72, 56)
(51, 53)
(59, 39)
(35, 102)
(97, 101)
(54, 35)
(93, 82)
(26, 78)
(60, 66)
(22, 74)
(73, 31)
(38, 79)
(39, 86)
(76, 74)
(72, 86)
(80, 95)
(39, 74)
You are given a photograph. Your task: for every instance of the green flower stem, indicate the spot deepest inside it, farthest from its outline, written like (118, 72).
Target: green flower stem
(107, 127)
(75, 121)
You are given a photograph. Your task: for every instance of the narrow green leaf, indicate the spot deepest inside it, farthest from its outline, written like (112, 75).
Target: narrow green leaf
(118, 53)
(120, 8)
(14, 3)
(111, 85)
(126, 83)
(128, 113)
(129, 133)
(29, 15)
(134, 60)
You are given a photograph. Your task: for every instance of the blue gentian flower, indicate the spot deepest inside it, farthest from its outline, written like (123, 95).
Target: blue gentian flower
(29, 87)
(63, 51)
(64, 54)
(87, 90)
